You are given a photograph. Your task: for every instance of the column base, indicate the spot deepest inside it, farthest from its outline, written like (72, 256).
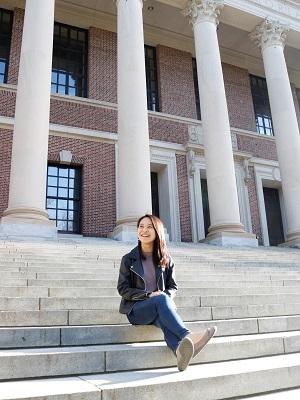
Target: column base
(293, 240)
(228, 235)
(126, 232)
(28, 223)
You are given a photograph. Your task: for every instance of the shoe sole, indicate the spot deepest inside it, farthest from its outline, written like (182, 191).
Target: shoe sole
(186, 350)
(205, 343)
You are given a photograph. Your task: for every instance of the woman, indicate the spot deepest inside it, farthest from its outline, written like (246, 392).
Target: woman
(147, 286)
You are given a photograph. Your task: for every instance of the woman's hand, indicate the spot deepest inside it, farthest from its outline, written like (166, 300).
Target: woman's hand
(156, 293)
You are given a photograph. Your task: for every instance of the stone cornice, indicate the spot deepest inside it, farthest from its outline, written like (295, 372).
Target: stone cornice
(269, 33)
(203, 10)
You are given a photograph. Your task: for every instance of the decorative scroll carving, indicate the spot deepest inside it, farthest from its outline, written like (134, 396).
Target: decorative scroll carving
(203, 10)
(269, 33)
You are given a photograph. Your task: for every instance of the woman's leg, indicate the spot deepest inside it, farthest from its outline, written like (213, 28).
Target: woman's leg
(160, 311)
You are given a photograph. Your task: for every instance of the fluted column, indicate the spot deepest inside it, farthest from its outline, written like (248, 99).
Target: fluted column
(133, 159)
(226, 228)
(270, 37)
(26, 214)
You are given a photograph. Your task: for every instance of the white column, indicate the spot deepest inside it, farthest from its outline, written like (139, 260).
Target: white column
(270, 37)
(133, 159)
(226, 228)
(26, 212)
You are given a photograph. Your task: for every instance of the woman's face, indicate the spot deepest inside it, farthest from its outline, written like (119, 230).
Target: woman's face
(146, 231)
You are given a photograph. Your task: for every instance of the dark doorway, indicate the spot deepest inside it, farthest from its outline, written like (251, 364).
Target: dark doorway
(64, 197)
(273, 214)
(205, 205)
(154, 192)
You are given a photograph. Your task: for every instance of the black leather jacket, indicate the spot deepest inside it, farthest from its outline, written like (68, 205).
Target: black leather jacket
(131, 283)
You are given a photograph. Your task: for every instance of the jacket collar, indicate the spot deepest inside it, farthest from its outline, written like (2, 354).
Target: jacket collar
(137, 265)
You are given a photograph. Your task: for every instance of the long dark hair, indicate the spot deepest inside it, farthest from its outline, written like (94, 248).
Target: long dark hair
(160, 251)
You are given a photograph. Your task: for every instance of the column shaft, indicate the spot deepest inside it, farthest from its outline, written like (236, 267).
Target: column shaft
(27, 190)
(226, 228)
(286, 132)
(222, 191)
(133, 163)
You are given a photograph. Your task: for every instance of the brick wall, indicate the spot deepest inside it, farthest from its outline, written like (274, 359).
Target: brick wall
(253, 200)
(15, 46)
(176, 85)
(98, 181)
(184, 203)
(5, 161)
(102, 65)
(258, 147)
(239, 97)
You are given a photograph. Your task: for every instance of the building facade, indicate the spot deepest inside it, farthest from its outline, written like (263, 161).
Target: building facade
(187, 109)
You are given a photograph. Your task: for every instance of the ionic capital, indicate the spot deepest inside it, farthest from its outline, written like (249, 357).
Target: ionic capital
(269, 33)
(203, 10)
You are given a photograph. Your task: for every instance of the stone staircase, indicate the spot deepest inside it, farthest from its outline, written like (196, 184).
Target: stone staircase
(62, 338)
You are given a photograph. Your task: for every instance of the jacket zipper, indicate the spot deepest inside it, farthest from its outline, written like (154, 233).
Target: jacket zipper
(139, 276)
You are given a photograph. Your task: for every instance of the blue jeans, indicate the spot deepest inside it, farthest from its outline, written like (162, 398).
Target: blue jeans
(161, 312)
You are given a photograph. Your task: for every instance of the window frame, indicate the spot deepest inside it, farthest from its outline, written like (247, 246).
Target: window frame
(77, 186)
(264, 123)
(8, 47)
(196, 88)
(148, 70)
(68, 50)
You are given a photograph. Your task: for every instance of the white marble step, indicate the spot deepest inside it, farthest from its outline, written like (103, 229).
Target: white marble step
(15, 337)
(42, 362)
(215, 381)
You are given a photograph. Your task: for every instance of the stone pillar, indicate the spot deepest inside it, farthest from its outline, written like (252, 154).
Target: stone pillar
(270, 37)
(26, 214)
(133, 160)
(226, 228)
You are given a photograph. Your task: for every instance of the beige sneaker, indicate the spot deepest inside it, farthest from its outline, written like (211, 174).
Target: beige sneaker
(184, 353)
(200, 339)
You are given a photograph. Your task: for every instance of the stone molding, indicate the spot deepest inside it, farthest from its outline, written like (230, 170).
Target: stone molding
(203, 11)
(196, 136)
(269, 33)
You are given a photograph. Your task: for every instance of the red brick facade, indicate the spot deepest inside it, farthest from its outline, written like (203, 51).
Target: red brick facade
(102, 65)
(5, 160)
(184, 203)
(176, 84)
(15, 46)
(253, 200)
(239, 98)
(176, 97)
(98, 181)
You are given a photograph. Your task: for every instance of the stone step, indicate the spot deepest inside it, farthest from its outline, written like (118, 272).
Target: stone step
(107, 291)
(215, 381)
(43, 362)
(292, 394)
(126, 333)
(183, 284)
(113, 317)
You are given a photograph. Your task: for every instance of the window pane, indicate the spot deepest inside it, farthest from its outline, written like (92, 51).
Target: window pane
(62, 192)
(63, 172)
(52, 214)
(62, 225)
(6, 17)
(62, 204)
(62, 214)
(63, 182)
(52, 191)
(51, 203)
(52, 181)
